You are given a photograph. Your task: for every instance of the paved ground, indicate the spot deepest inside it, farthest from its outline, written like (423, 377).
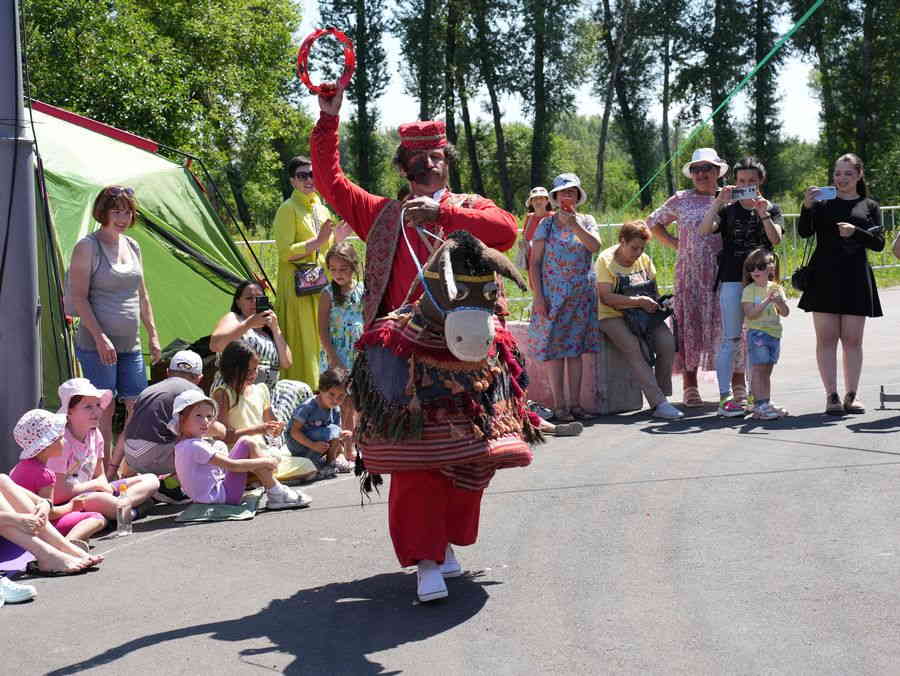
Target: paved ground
(699, 547)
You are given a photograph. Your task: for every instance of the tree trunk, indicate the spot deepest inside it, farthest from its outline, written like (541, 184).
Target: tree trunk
(540, 144)
(236, 181)
(864, 115)
(723, 125)
(363, 128)
(425, 62)
(634, 139)
(449, 89)
(614, 54)
(471, 149)
(666, 146)
(828, 107)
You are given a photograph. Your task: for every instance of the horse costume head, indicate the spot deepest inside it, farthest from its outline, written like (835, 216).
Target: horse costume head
(460, 291)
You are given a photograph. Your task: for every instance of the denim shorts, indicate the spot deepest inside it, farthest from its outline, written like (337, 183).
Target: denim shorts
(762, 348)
(127, 378)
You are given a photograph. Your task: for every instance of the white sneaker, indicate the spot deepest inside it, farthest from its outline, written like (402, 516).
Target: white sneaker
(450, 567)
(431, 582)
(13, 592)
(666, 411)
(765, 412)
(284, 497)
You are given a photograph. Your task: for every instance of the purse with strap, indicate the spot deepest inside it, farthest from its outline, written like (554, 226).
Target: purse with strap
(310, 278)
(801, 279)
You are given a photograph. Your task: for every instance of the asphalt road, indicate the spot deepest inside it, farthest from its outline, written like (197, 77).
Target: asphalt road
(697, 547)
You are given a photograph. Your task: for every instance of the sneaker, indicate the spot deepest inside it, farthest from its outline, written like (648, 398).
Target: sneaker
(833, 405)
(327, 472)
(13, 592)
(572, 429)
(343, 466)
(852, 404)
(284, 497)
(666, 411)
(171, 496)
(450, 567)
(765, 412)
(431, 583)
(730, 408)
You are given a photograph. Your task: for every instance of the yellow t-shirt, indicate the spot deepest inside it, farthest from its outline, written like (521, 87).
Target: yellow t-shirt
(608, 272)
(769, 321)
(248, 410)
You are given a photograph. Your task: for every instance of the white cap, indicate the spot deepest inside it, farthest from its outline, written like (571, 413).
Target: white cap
(187, 361)
(185, 399)
(84, 388)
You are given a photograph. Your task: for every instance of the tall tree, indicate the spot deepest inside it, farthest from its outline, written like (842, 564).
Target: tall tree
(452, 39)
(765, 121)
(363, 21)
(418, 24)
(474, 164)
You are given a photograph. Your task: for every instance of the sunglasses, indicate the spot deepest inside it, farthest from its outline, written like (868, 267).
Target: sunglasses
(303, 175)
(759, 266)
(117, 190)
(702, 168)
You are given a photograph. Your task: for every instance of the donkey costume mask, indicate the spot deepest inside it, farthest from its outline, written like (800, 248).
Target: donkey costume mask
(460, 292)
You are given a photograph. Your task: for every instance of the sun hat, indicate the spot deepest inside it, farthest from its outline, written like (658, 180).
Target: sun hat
(564, 181)
(185, 399)
(187, 361)
(36, 430)
(706, 155)
(537, 191)
(83, 387)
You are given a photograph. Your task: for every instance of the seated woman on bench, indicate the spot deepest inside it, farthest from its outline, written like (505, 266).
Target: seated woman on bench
(626, 278)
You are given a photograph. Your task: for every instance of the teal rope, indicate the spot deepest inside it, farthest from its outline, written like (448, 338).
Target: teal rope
(743, 83)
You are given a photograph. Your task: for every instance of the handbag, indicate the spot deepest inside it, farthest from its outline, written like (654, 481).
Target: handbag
(310, 278)
(801, 279)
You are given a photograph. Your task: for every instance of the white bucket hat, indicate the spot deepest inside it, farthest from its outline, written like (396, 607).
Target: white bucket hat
(83, 387)
(564, 181)
(187, 361)
(537, 191)
(708, 155)
(36, 430)
(185, 399)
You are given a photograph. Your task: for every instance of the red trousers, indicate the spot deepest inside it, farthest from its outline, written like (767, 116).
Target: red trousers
(426, 512)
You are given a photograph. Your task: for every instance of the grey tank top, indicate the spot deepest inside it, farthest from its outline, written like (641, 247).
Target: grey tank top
(114, 294)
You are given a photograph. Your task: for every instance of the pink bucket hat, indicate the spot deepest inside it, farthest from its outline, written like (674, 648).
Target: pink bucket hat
(36, 430)
(83, 387)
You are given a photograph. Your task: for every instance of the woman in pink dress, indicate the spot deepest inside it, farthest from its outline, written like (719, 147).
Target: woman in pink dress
(696, 303)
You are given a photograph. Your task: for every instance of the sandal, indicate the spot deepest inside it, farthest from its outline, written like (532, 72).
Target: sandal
(563, 415)
(32, 569)
(692, 398)
(739, 394)
(581, 414)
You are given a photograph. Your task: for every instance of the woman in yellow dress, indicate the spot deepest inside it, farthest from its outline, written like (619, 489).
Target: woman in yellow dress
(303, 230)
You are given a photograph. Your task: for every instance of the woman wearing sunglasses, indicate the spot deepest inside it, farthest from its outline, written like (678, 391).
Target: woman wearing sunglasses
(107, 291)
(303, 232)
(696, 307)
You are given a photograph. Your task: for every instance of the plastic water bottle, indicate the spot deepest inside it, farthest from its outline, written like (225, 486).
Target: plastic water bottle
(123, 513)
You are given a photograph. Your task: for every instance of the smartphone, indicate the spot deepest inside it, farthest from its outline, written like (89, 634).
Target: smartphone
(262, 304)
(828, 192)
(745, 192)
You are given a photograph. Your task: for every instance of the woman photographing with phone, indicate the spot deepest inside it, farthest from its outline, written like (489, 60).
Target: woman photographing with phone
(841, 290)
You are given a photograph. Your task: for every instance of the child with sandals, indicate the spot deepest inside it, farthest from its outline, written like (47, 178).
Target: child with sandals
(208, 473)
(316, 431)
(764, 306)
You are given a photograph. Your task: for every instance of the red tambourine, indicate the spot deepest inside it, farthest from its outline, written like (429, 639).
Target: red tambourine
(326, 89)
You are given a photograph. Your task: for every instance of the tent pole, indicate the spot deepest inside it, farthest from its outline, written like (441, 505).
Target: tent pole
(19, 333)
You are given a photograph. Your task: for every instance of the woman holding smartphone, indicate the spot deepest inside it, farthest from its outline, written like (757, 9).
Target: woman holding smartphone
(841, 291)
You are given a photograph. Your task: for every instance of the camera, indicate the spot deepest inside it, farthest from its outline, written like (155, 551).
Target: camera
(262, 304)
(744, 192)
(828, 192)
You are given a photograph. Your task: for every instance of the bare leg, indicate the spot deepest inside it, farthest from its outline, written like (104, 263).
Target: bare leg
(762, 381)
(105, 503)
(574, 368)
(689, 379)
(348, 418)
(827, 328)
(106, 427)
(852, 329)
(266, 476)
(141, 488)
(556, 369)
(83, 530)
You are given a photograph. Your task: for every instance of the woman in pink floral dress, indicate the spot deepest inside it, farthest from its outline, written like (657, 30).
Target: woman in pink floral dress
(696, 303)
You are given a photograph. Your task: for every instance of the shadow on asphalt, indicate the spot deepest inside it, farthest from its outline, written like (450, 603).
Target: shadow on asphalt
(883, 426)
(330, 629)
(695, 425)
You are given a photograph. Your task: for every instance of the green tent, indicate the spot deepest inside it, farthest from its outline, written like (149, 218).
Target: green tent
(191, 265)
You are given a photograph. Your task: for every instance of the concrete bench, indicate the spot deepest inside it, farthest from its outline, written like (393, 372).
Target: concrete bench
(607, 384)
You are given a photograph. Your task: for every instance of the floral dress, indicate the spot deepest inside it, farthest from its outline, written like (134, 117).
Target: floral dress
(345, 325)
(697, 315)
(569, 288)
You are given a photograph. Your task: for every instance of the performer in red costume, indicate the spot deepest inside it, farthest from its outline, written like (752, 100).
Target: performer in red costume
(427, 511)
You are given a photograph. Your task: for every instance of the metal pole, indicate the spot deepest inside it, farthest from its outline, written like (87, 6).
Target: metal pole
(20, 349)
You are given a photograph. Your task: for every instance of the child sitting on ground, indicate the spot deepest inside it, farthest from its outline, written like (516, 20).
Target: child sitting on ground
(207, 472)
(764, 305)
(316, 424)
(79, 470)
(35, 433)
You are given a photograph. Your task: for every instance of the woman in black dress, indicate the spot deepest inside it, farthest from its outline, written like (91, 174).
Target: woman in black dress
(841, 291)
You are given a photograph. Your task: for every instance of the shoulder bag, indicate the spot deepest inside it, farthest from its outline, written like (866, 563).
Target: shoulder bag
(801, 279)
(310, 278)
